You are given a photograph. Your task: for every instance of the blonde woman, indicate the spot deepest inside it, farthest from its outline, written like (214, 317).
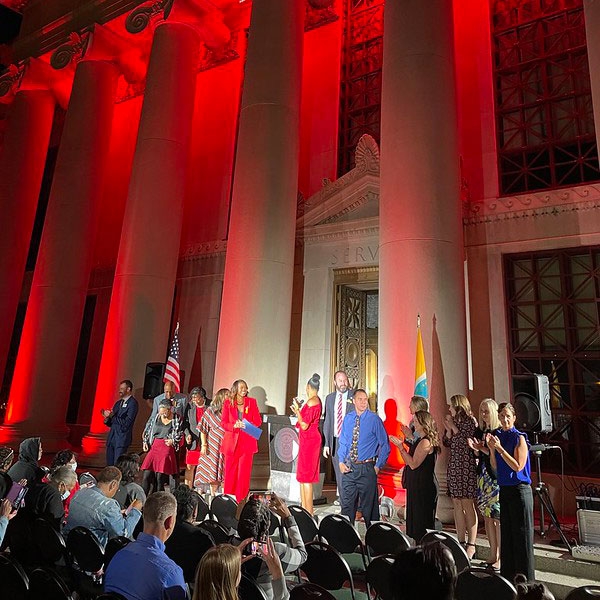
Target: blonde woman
(460, 425)
(219, 574)
(488, 492)
(421, 482)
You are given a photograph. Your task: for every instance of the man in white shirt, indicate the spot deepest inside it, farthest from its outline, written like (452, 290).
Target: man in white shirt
(337, 405)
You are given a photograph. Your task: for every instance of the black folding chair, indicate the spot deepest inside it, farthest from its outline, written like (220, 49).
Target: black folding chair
(110, 596)
(45, 584)
(338, 532)
(13, 579)
(250, 590)
(83, 546)
(224, 509)
(385, 538)
(458, 552)
(51, 546)
(113, 546)
(586, 592)
(203, 509)
(476, 583)
(310, 591)
(379, 576)
(218, 532)
(326, 567)
(306, 523)
(276, 527)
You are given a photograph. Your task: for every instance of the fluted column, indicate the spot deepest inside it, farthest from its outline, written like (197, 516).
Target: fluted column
(254, 328)
(421, 251)
(22, 163)
(591, 9)
(44, 369)
(140, 308)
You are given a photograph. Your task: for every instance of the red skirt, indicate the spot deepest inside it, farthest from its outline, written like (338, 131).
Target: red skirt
(192, 457)
(161, 458)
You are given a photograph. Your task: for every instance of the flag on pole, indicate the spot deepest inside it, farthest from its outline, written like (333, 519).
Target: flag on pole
(420, 372)
(172, 368)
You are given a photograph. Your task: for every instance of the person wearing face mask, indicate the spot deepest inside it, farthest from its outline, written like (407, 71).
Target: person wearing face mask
(46, 500)
(66, 458)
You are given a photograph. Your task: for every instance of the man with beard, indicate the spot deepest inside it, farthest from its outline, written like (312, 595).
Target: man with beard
(120, 420)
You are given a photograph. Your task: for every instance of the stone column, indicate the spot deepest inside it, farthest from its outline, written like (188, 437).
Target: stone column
(591, 9)
(254, 329)
(22, 162)
(421, 251)
(43, 374)
(140, 308)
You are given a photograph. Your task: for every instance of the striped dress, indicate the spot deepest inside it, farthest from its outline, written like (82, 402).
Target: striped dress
(210, 465)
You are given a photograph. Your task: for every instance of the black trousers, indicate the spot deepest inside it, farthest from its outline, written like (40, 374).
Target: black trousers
(359, 488)
(113, 452)
(516, 531)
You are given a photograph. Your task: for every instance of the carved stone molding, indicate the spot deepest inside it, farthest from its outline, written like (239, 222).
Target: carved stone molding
(11, 79)
(545, 198)
(74, 49)
(539, 211)
(210, 58)
(204, 250)
(140, 18)
(370, 196)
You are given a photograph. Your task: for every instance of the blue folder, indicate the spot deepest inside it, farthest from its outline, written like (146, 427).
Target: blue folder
(251, 430)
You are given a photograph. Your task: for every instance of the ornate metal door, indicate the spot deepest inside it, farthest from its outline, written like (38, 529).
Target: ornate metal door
(351, 334)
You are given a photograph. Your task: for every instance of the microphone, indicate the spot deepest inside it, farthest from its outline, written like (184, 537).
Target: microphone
(543, 447)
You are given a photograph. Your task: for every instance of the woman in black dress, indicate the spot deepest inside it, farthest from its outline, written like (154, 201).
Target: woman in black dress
(421, 482)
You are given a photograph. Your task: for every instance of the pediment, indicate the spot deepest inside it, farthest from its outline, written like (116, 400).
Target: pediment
(352, 197)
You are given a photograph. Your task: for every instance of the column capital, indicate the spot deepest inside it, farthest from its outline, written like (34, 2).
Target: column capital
(74, 49)
(319, 13)
(142, 16)
(11, 81)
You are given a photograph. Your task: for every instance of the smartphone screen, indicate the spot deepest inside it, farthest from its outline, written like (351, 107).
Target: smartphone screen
(16, 494)
(264, 496)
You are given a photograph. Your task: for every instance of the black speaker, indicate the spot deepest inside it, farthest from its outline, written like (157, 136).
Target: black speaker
(531, 399)
(153, 380)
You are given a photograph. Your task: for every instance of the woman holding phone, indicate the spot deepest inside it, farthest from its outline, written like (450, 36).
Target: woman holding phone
(309, 452)
(239, 446)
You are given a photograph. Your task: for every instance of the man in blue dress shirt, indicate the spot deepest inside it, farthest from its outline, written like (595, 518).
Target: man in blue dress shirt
(363, 449)
(142, 570)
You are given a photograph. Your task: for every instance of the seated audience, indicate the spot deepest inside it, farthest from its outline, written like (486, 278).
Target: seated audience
(188, 543)
(142, 570)
(424, 572)
(254, 522)
(6, 457)
(46, 500)
(7, 512)
(531, 591)
(96, 509)
(129, 490)
(30, 451)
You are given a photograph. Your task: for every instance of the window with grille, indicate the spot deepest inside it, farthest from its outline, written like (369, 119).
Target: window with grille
(360, 93)
(544, 114)
(553, 301)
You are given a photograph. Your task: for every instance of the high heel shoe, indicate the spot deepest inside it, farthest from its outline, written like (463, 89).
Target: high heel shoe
(469, 545)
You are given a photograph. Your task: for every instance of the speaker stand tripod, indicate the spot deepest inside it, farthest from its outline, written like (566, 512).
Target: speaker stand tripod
(541, 491)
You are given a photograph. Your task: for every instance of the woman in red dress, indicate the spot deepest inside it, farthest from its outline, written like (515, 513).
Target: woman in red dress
(238, 446)
(309, 453)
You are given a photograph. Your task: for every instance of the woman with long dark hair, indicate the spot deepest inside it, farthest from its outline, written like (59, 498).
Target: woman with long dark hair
(239, 447)
(510, 459)
(421, 482)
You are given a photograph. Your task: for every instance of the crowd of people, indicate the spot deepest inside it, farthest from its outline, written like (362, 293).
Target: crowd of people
(488, 474)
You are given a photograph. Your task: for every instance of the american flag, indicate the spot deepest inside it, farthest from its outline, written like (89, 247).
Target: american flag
(172, 369)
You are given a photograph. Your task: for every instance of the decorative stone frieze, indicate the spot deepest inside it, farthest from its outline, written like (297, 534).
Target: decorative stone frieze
(11, 80)
(140, 18)
(74, 49)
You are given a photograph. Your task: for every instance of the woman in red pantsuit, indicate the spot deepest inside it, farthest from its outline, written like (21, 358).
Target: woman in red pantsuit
(309, 452)
(238, 446)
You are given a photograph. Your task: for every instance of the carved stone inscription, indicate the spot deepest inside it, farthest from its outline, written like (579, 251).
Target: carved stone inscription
(355, 254)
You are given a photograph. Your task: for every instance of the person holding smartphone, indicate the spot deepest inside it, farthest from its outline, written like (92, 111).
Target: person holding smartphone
(7, 510)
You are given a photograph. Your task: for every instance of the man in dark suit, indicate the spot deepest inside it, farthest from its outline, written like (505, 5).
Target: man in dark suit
(337, 405)
(120, 420)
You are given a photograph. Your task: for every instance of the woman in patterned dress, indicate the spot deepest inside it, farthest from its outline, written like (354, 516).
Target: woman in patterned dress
(488, 492)
(459, 426)
(210, 462)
